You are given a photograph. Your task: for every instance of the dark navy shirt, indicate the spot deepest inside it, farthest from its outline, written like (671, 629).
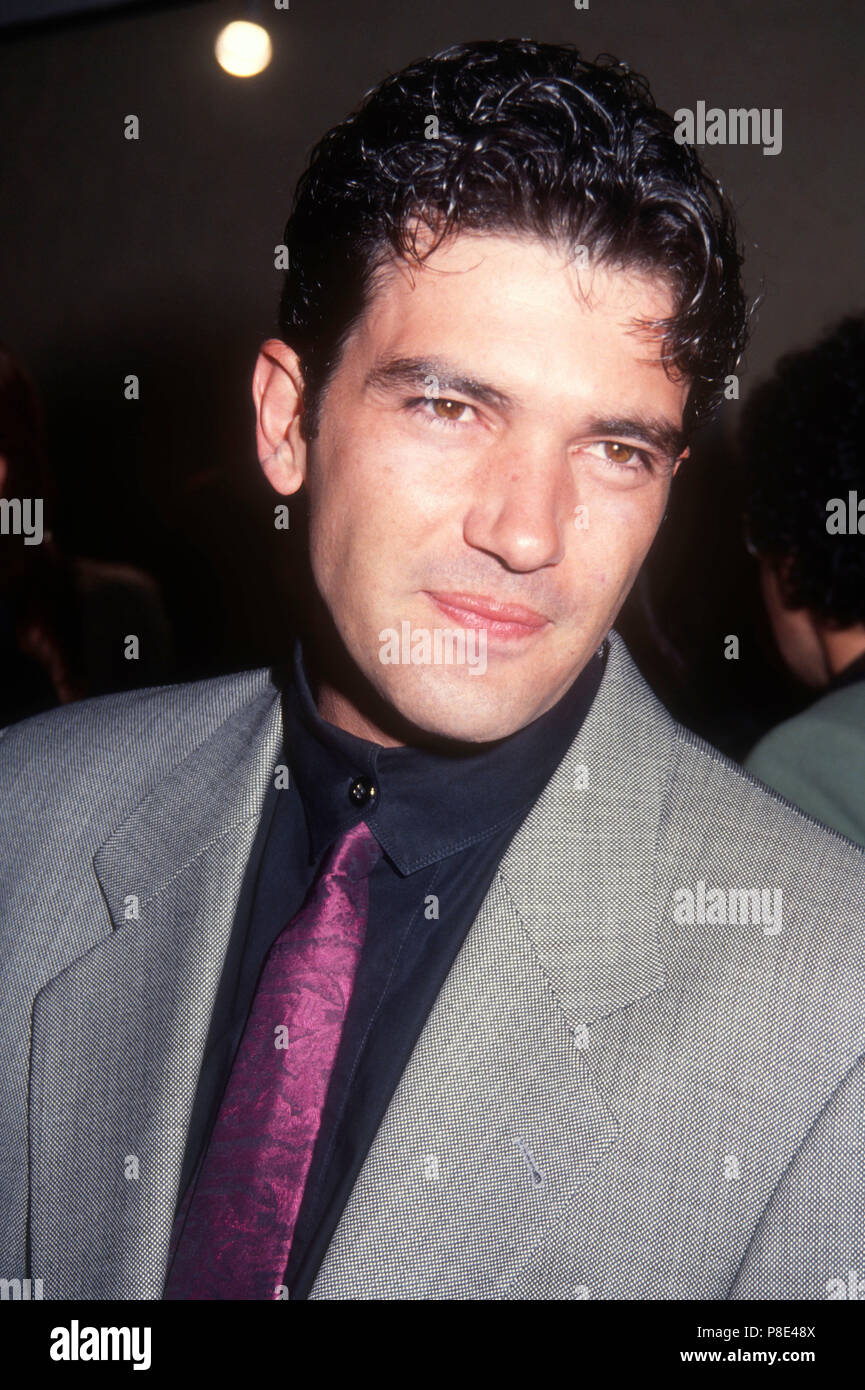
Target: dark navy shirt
(444, 821)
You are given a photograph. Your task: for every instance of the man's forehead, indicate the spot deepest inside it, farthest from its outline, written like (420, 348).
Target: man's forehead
(506, 305)
(467, 261)
(514, 340)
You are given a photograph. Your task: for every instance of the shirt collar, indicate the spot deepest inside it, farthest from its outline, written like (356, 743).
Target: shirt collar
(428, 804)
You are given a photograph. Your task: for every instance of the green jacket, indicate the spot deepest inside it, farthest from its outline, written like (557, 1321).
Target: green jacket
(817, 760)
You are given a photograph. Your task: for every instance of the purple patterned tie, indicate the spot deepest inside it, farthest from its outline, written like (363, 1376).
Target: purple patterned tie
(234, 1229)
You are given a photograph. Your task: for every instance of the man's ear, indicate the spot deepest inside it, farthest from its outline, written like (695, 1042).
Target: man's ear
(684, 454)
(277, 392)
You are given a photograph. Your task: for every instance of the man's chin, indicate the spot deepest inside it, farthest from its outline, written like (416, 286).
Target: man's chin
(463, 708)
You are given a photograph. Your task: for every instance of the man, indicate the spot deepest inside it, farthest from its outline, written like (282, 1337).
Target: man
(801, 440)
(451, 967)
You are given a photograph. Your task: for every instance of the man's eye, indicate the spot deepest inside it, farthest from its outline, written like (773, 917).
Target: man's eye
(442, 409)
(625, 456)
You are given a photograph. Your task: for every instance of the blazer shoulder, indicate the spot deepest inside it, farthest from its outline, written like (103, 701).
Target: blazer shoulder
(710, 808)
(730, 786)
(114, 744)
(719, 811)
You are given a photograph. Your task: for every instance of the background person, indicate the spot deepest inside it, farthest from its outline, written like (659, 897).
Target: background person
(802, 439)
(64, 619)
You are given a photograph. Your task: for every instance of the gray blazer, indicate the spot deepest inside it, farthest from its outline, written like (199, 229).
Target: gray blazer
(608, 1101)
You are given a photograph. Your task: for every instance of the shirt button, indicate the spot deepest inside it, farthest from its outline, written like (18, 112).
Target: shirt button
(362, 791)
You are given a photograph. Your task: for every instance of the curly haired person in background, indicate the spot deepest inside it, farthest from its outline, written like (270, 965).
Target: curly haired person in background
(801, 438)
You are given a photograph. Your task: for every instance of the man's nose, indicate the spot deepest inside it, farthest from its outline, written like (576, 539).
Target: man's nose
(522, 504)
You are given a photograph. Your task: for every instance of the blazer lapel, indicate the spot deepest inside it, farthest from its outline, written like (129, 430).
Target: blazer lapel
(496, 1121)
(119, 1035)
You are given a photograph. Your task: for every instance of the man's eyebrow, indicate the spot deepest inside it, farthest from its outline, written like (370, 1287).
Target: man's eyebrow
(663, 435)
(414, 372)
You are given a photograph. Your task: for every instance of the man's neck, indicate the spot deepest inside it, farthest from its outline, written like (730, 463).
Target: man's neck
(337, 709)
(345, 698)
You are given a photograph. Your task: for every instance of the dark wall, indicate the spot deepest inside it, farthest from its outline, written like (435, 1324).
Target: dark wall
(155, 257)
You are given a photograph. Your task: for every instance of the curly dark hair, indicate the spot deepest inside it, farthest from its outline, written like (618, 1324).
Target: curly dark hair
(531, 138)
(800, 438)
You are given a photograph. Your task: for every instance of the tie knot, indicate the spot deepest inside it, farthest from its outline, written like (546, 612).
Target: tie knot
(354, 855)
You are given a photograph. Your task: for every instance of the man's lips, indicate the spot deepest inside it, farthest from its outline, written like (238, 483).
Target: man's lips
(477, 610)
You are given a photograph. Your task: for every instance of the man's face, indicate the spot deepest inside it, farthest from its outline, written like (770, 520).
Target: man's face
(496, 433)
